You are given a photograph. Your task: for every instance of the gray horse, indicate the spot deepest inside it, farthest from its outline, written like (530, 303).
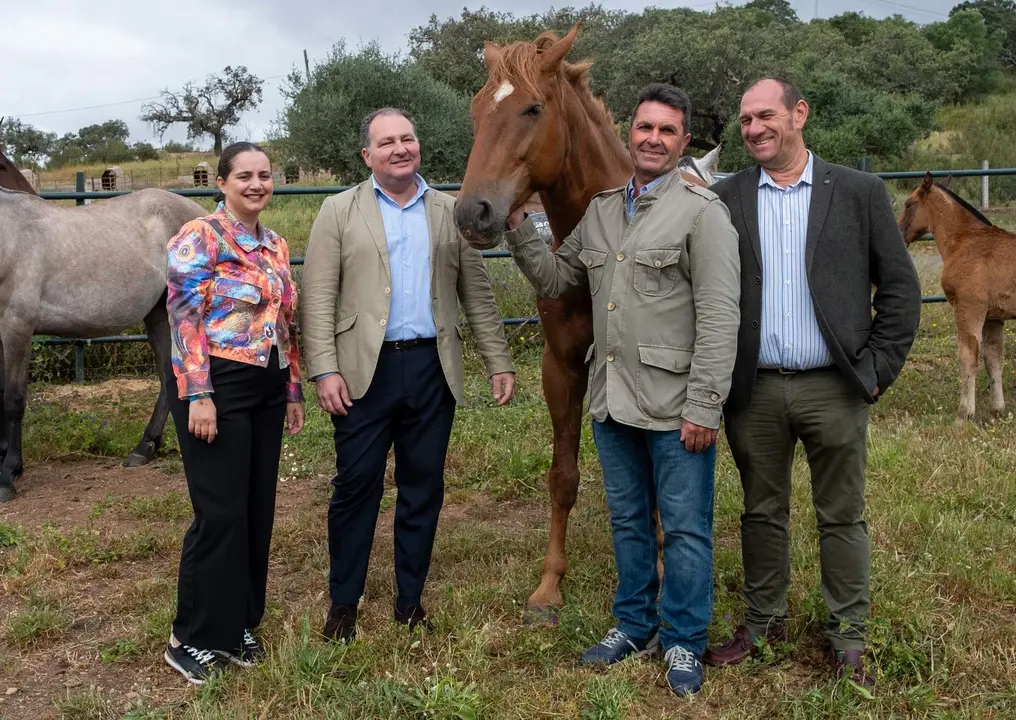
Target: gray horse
(81, 272)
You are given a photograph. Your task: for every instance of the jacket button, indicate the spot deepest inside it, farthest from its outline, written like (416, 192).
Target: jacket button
(383, 322)
(388, 291)
(620, 257)
(611, 306)
(658, 264)
(715, 396)
(610, 357)
(261, 358)
(758, 280)
(754, 324)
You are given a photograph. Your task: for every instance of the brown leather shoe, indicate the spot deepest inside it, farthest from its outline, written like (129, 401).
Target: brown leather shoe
(737, 648)
(341, 623)
(850, 663)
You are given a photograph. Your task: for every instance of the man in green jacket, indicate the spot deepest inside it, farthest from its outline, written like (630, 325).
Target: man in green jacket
(661, 259)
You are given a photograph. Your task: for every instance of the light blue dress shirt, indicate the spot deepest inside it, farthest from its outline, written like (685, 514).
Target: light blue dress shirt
(629, 193)
(407, 235)
(791, 338)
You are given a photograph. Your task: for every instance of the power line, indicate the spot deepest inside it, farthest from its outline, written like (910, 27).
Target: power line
(112, 104)
(911, 7)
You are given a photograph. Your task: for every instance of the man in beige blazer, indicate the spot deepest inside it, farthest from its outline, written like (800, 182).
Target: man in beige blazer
(382, 341)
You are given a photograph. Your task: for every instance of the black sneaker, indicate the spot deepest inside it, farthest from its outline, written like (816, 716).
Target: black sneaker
(194, 664)
(250, 654)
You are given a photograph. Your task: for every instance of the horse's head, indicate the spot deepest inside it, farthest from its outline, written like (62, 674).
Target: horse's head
(915, 220)
(519, 128)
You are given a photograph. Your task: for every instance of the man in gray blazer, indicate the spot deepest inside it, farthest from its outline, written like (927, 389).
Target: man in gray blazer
(811, 359)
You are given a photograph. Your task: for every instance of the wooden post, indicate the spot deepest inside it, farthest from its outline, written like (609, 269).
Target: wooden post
(985, 205)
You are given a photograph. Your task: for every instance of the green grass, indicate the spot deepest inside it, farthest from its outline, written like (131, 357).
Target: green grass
(941, 511)
(39, 619)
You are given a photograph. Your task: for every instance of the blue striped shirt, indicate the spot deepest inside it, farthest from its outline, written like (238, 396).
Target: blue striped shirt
(791, 338)
(408, 238)
(629, 193)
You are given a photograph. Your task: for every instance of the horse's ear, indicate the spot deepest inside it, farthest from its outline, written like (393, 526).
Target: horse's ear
(948, 179)
(551, 57)
(711, 159)
(491, 55)
(927, 182)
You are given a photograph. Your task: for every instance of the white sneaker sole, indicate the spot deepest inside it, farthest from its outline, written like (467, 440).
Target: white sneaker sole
(176, 666)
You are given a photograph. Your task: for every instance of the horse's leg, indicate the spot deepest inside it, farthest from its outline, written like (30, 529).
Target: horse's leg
(564, 375)
(969, 324)
(993, 349)
(17, 348)
(157, 327)
(3, 421)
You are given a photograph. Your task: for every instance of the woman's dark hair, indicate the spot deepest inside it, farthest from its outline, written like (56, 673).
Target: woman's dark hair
(225, 166)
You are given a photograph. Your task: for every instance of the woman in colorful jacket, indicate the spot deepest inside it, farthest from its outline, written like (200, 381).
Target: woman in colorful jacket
(232, 316)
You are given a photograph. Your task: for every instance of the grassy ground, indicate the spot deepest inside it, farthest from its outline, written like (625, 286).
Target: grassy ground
(87, 579)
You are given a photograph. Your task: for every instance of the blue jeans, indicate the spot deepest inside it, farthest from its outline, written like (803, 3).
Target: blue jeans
(643, 470)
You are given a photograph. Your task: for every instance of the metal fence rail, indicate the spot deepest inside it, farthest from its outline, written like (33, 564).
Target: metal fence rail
(80, 195)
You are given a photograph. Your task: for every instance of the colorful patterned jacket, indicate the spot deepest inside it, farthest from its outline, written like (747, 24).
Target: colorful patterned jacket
(232, 296)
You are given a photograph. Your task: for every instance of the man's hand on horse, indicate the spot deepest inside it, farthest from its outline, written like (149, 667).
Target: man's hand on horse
(515, 218)
(697, 438)
(201, 420)
(332, 395)
(502, 387)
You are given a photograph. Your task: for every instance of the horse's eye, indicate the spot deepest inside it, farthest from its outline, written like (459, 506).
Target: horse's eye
(533, 110)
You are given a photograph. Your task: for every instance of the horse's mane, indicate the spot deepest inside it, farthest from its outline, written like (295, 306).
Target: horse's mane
(965, 205)
(520, 64)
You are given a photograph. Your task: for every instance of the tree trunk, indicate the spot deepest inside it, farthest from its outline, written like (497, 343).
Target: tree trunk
(218, 144)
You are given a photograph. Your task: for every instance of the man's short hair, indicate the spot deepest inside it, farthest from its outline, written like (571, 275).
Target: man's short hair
(791, 94)
(668, 95)
(369, 118)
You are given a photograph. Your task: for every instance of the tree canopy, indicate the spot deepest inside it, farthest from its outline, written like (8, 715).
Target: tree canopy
(873, 85)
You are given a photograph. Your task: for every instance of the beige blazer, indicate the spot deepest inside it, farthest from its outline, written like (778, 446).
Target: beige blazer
(346, 292)
(665, 292)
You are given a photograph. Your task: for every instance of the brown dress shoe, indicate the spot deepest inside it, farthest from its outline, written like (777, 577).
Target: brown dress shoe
(850, 663)
(737, 648)
(341, 623)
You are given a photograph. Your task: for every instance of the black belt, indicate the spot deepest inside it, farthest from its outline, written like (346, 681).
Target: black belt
(786, 371)
(406, 344)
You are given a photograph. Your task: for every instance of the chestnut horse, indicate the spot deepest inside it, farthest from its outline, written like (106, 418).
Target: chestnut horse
(539, 130)
(978, 277)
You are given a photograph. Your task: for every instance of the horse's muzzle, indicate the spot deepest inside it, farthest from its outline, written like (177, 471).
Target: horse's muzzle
(480, 223)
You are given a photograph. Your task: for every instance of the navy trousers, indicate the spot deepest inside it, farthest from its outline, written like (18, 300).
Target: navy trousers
(409, 406)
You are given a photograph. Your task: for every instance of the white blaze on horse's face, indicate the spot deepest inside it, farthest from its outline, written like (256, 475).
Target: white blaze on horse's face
(504, 91)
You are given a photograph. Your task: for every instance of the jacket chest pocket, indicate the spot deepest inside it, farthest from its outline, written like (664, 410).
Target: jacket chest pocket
(594, 260)
(656, 270)
(226, 287)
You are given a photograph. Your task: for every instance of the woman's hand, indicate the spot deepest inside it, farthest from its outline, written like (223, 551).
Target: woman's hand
(294, 417)
(201, 422)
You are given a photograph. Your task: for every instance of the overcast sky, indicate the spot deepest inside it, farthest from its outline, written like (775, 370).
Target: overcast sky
(65, 57)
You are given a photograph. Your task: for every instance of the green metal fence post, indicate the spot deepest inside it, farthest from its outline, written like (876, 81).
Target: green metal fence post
(79, 186)
(79, 362)
(864, 164)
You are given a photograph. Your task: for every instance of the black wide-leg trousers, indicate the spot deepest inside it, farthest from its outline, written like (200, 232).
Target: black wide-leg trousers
(232, 483)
